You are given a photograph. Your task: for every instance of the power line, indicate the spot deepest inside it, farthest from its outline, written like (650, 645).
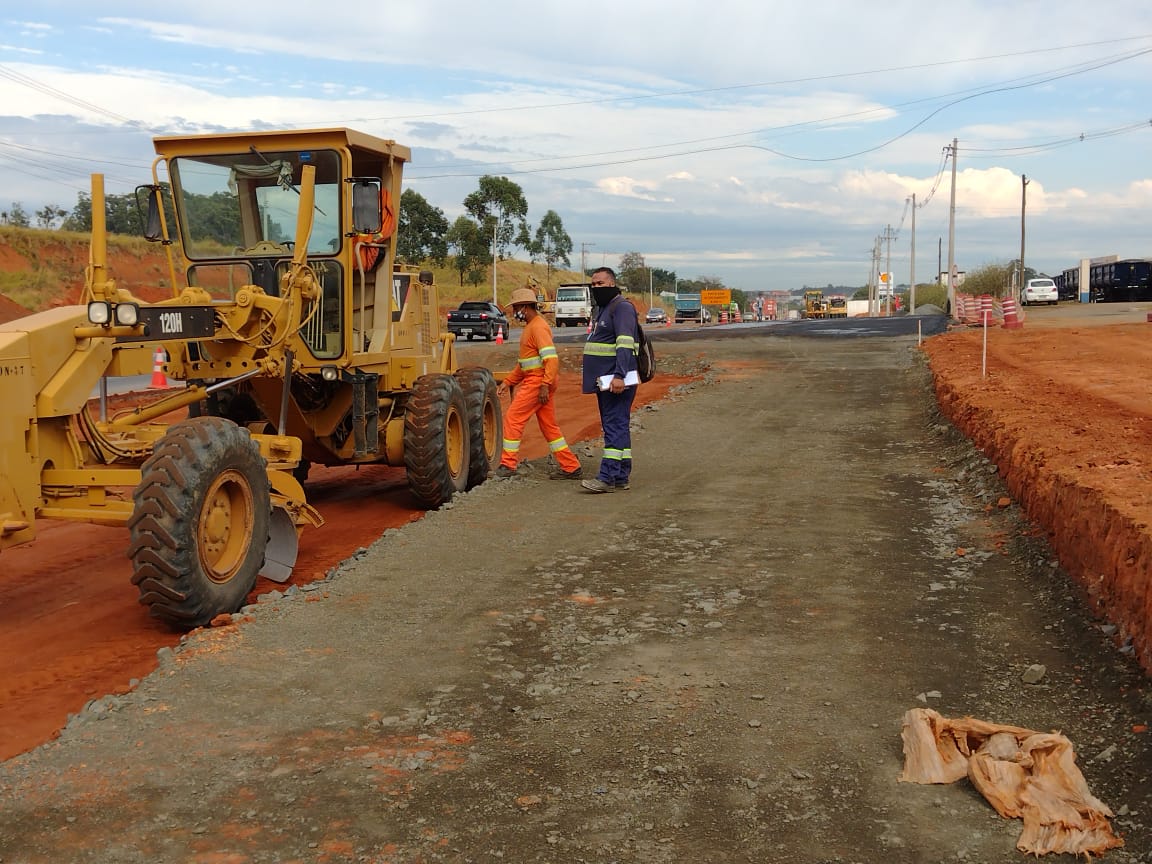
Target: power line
(731, 87)
(1006, 86)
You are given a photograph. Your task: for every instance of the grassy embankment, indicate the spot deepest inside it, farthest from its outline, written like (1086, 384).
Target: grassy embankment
(44, 268)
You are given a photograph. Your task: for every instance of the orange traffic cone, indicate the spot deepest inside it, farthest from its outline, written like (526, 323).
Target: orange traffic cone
(499, 334)
(159, 381)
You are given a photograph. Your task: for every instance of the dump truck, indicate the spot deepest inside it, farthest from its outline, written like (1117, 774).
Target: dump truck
(815, 306)
(837, 306)
(690, 308)
(292, 340)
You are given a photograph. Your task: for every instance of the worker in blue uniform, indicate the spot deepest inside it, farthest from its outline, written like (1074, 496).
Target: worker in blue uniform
(610, 372)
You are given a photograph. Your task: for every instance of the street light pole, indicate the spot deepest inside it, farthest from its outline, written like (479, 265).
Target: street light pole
(495, 231)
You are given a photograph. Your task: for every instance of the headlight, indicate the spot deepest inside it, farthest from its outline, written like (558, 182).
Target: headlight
(127, 314)
(329, 373)
(99, 312)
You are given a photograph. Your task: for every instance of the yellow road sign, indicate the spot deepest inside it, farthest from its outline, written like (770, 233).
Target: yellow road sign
(716, 296)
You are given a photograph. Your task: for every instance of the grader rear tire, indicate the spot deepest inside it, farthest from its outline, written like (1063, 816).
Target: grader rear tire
(485, 422)
(201, 522)
(436, 440)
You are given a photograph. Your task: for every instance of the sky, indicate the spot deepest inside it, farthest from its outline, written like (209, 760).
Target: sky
(771, 146)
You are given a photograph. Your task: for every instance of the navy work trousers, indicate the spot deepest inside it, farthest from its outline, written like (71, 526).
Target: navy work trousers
(615, 412)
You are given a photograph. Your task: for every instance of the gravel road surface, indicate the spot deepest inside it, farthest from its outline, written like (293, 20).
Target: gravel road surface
(711, 667)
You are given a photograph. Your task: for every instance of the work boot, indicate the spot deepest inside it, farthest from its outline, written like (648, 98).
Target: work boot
(622, 486)
(559, 473)
(504, 471)
(595, 485)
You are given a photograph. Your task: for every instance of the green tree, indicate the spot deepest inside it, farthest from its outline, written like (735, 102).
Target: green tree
(632, 272)
(122, 214)
(48, 215)
(552, 243)
(15, 216)
(80, 219)
(500, 209)
(469, 246)
(995, 279)
(663, 280)
(422, 229)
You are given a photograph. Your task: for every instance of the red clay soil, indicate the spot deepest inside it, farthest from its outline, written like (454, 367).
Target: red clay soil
(72, 630)
(1066, 414)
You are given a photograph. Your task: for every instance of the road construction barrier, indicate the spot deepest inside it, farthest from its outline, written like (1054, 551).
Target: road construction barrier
(986, 310)
(159, 380)
(723, 317)
(1011, 314)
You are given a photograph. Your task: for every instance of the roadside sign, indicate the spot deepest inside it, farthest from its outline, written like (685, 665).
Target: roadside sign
(716, 296)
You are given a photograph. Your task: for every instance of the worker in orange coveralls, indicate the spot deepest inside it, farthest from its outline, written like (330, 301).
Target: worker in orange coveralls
(534, 382)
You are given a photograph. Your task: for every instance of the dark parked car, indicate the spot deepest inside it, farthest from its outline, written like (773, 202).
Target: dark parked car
(477, 318)
(656, 315)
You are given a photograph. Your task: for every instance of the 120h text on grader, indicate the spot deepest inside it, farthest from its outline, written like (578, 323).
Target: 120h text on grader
(298, 343)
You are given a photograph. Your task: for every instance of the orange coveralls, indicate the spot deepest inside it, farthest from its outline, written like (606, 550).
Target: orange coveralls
(538, 366)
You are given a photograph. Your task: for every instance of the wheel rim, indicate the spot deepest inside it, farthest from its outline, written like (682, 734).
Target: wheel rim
(457, 442)
(489, 420)
(224, 529)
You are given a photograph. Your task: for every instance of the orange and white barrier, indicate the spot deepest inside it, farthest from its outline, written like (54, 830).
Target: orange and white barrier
(1011, 314)
(499, 334)
(987, 312)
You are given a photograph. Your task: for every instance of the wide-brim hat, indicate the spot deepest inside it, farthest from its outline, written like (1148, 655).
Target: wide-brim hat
(523, 295)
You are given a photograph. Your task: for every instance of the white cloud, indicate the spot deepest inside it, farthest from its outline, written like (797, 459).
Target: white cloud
(722, 142)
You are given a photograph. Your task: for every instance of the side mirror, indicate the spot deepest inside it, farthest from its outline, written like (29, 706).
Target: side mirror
(367, 217)
(153, 229)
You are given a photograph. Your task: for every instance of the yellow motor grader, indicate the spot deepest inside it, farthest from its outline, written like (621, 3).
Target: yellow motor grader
(292, 340)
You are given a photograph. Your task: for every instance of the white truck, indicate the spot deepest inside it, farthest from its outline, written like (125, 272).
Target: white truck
(573, 304)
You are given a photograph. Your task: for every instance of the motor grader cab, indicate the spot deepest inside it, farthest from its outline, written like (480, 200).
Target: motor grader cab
(298, 343)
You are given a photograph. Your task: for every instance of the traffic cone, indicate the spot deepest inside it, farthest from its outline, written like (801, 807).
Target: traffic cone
(159, 382)
(499, 334)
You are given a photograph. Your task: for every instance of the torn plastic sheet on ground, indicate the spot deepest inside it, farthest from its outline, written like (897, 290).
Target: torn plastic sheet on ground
(1023, 774)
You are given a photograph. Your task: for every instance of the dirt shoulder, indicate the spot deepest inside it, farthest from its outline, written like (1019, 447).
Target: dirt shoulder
(712, 666)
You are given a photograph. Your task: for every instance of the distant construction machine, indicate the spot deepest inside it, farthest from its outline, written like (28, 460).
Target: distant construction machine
(815, 306)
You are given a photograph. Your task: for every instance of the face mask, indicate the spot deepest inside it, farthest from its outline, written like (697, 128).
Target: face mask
(519, 315)
(602, 294)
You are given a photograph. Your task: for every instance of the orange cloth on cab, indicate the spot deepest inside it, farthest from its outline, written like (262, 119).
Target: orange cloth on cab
(370, 255)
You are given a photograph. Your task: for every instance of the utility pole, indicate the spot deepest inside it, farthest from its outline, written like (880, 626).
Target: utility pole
(583, 268)
(912, 267)
(952, 238)
(874, 280)
(1023, 201)
(890, 294)
(939, 266)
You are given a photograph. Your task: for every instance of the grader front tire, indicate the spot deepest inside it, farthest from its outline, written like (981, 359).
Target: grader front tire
(201, 522)
(436, 439)
(485, 422)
